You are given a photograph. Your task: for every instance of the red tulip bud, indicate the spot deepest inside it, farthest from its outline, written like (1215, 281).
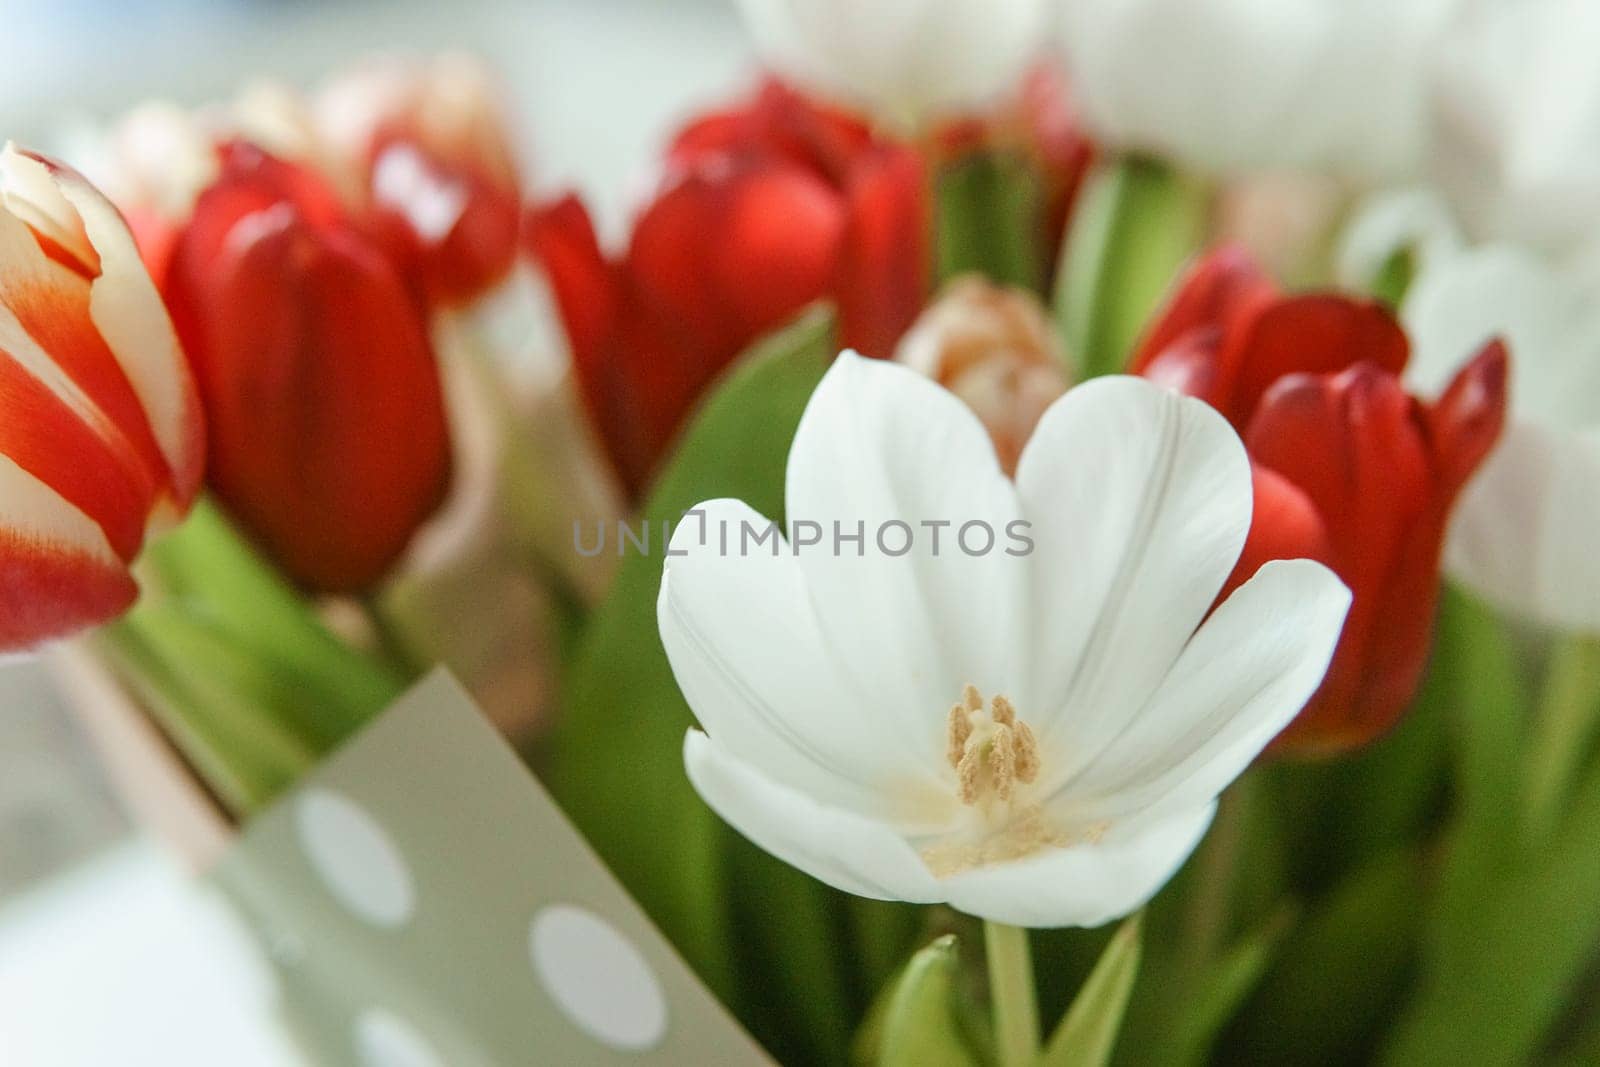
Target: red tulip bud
(427, 147)
(1349, 468)
(327, 435)
(765, 209)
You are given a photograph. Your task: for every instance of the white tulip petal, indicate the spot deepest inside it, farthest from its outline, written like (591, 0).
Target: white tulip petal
(847, 851)
(1410, 219)
(1243, 85)
(1140, 501)
(1247, 673)
(1516, 107)
(1087, 884)
(124, 305)
(880, 443)
(1523, 534)
(747, 653)
(37, 517)
(1550, 321)
(905, 60)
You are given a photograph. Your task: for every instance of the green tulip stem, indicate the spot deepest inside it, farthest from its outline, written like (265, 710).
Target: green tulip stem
(1561, 730)
(1011, 990)
(395, 649)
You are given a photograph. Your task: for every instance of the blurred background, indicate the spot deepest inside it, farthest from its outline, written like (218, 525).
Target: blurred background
(108, 954)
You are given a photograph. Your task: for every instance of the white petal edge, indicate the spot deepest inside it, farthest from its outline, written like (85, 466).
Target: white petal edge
(1140, 501)
(1088, 884)
(1247, 673)
(879, 443)
(31, 511)
(845, 850)
(747, 652)
(906, 60)
(1397, 221)
(133, 320)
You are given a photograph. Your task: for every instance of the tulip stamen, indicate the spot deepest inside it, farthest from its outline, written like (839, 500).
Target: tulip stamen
(990, 748)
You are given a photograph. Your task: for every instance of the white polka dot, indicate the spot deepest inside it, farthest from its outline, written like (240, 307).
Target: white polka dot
(354, 858)
(598, 978)
(386, 1040)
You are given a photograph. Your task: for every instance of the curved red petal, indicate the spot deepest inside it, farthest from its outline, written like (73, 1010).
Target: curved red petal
(1357, 445)
(885, 265)
(328, 437)
(1219, 291)
(1315, 333)
(1468, 417)
(58, 575)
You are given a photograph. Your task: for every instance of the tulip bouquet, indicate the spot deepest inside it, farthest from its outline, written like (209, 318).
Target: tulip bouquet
(1060, 535)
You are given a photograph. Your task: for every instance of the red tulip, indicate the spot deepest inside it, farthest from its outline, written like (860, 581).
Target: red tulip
(764, 209)
(101, 435)
(327, 435)
(1349, 468)
(427, 146)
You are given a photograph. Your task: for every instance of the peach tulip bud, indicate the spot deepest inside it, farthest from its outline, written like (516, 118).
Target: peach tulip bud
(996, 349)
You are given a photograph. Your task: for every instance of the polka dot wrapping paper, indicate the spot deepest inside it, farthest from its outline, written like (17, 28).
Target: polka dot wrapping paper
(424, 903)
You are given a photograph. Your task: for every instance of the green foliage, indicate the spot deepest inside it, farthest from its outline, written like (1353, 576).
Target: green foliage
(990, 210)
(1334, 980)
(921, 1025)
(1516, 917)
(1135, 224)
(778, 947)
(237, 666)
(1088, 1034)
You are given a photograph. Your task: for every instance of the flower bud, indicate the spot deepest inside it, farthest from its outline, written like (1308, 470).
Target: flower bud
(765, 209)
(1350, 469)
(328, 437)
(996, 349)
(426, 146)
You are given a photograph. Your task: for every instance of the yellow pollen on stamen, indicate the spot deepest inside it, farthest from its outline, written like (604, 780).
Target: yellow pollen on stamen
(959, 730)
(992, 752)
(990, 748)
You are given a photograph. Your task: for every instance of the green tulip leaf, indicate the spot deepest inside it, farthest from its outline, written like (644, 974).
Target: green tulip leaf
(1517, 917)
(1333, 982)
(207, 572)
(615, 759)
(237, 667)
(1088, 1034)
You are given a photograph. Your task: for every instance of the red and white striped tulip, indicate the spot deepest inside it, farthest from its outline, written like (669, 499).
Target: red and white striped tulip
(100, 426)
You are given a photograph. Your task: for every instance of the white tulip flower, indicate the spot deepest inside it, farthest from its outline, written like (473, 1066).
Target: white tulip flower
(1515, 119)
(1524, 533)
(905, 61)
(1231, 86)
(1033, 729)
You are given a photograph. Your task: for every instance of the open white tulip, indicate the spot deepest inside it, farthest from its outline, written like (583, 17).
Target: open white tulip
(1516, 122)
(1239, 85)
(1037, 738)
(905, 61)
(1524, 533)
